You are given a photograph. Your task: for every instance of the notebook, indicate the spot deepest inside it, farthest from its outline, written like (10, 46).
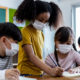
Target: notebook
(24, 78)
(67, 74)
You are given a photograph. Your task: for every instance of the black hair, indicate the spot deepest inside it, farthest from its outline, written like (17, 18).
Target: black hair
(62, 35)
(79, 41)
(55, 14)
(74, 46)
(30, 9)
(10, 30)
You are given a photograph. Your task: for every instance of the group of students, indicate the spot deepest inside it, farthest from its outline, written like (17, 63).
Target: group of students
(31, 43)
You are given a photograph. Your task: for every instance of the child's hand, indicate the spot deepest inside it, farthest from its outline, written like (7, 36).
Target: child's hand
(57, 71)
(75, 70)
(12, 74)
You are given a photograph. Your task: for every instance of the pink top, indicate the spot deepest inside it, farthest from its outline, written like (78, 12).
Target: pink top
(66, 63)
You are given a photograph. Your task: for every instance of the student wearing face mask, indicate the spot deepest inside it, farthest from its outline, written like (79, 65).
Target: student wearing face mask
(10, 35)
(31, 47)
(64, 55)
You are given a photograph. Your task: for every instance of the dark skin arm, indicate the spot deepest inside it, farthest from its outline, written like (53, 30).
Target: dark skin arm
(40, 64)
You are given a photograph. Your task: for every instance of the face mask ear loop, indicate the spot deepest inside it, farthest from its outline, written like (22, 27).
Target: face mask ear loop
(6, 46)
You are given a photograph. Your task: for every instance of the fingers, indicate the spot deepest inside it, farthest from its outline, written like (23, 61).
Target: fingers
(15, 73)
(16, 70)
(12, 74)
(74, 71)
(12, 78)
(59, 71)
(71, 71)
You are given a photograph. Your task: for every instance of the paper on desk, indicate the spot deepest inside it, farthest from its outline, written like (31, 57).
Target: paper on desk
(67, 74)
(23, 78)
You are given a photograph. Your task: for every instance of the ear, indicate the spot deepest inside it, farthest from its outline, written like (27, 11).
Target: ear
(3, 39)
(56, 42)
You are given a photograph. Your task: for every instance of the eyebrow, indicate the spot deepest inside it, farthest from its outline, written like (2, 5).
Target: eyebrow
(43, 19)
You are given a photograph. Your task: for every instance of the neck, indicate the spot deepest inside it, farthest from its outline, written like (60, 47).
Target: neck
(62, 56)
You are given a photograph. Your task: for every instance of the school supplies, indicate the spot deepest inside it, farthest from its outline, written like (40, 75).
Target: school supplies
(67, 74)
(25, 78)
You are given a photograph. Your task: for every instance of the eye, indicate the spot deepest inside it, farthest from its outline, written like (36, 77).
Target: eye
(40, 20)
(43, 20)
(68, 43)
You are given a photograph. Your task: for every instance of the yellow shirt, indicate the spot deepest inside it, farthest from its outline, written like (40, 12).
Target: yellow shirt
(35, 38)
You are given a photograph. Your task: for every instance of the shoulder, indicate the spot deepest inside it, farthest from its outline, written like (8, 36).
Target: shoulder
(74, 53)
(51, 55)
(26, 28)
(25, 31)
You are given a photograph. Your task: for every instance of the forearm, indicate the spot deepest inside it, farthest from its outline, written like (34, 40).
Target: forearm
(40, 64)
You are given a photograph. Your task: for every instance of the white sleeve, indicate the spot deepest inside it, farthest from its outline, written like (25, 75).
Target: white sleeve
(2, 74)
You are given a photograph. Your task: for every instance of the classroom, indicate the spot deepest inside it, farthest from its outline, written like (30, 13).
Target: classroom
(39, 39)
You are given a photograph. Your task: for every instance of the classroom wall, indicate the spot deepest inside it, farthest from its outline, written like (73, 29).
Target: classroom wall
(13, 3)
(66, 7)
(10, 3)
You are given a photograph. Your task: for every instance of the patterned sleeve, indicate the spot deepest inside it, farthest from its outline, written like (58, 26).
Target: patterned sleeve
(49, 61)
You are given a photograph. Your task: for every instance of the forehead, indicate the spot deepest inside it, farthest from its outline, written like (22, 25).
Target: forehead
(70, 38)
(12, 40)
(45, 15)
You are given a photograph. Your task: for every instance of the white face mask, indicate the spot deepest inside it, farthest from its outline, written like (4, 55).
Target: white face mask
(64, 48)
(14, 49)
(38, 25)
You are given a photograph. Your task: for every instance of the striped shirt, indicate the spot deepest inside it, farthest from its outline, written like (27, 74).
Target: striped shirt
(66, 63)
(6, 63)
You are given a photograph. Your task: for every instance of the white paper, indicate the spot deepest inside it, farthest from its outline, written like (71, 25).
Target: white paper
(2, 74)
(24, 78)
(67, 74)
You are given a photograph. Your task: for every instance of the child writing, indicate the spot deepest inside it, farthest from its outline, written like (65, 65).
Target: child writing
(64, 55)
(31, 47)
(10, 35)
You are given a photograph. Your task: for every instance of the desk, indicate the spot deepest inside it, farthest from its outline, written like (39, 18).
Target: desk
(56, 78)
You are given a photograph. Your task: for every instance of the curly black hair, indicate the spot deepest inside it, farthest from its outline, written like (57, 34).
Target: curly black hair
(30, 9)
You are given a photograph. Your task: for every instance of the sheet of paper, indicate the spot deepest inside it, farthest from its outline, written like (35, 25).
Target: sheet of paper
(67, 74)
(24, 78)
